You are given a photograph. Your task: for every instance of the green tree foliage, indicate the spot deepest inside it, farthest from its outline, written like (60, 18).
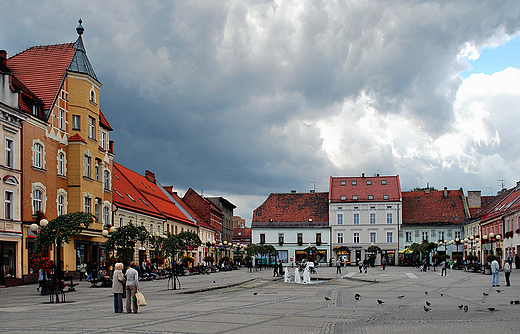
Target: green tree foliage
(124, 239)
(187, 239)
(374, 249)
(171, 246)
(61, 229)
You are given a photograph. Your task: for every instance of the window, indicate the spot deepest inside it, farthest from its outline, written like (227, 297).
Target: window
(340, 237)
(96, 210)
(318, 239)
(356, 237)
(8, 205)
(370, 196)
(262, 236)
(35, 110)
(96, 172)
(9, 152)
(441, 236)
(354, 197)
(106, 179)
(343, 198)
(373, 237)
(383, 182)
(457, 235)
(299, 237)
(343, 183)
(389, 237)
(37, 201)
(61, 205)
(62, 119)
(408, 236)
(356, 219)
(385, 196)
(280, 238)
(372, 218)
(369, 182)
(354, 183)
(92, 95)
(103, 140)
(91, 128)
(425, 236)
(340, 219)
(389, 218)
(151, 229)
(106, 216)
(38, 155)
(76, 122)
(88, 203)
(64, 95)
(61, 164)
(87, 165)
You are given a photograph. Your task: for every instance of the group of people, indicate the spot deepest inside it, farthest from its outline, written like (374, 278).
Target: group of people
(127, 283)
(278, 269)
(495, 268)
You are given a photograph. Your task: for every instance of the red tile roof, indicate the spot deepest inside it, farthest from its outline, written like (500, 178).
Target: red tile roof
(103, 121)
(42, 69)
(420, 207)
(153, 195)
(506, 202)
(242, 233)
(192, 213)
(377, 186)
(293, 207)
(77, 137)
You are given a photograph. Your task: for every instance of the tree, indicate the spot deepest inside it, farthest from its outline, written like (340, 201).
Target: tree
(171, 246)
(58, 231)
(187, 239)
(124, 239)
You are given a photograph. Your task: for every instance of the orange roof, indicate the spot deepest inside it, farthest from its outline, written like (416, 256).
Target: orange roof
(433, 209)
(103, 121)
(153, 195)
(293, 207)
(192, 213)
(42, 69)
(359, 189)
(77, 137)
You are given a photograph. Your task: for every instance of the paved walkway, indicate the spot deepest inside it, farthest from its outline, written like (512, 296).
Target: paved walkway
(243, 302)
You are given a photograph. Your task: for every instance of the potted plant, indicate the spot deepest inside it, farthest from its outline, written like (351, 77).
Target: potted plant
(209, 259)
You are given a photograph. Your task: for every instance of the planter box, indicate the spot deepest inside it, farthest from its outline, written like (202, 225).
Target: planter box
(12, 281)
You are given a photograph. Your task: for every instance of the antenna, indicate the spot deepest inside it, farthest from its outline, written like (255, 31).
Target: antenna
(502, 183)
(313, 185)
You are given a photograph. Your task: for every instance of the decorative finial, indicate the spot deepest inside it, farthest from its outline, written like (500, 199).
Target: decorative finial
(80, 28)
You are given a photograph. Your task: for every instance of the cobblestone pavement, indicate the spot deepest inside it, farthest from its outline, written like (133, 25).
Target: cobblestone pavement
(243, 302)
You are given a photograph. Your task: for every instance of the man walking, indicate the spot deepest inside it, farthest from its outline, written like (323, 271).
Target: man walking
(443, 268)
(383, 263)
(494, 272)
(507, 270)
(338, 267)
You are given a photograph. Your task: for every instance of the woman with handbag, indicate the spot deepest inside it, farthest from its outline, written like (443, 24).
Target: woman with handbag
(117, 288)
(132, 284)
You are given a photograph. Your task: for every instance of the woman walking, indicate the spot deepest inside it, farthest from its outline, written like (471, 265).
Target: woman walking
(132, 284)
(117, 288)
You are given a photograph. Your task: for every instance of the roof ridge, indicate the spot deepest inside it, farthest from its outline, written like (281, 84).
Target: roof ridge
(41, 46)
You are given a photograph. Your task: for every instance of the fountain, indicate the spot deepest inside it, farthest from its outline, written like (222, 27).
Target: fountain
(297, 278)
(286, 277)
(306, 275)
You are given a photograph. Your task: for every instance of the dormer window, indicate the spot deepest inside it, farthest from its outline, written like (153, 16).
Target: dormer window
(343, 198)
(343, 183)
(354, 183)
(354, 197)
(369, 182)
(383, 182)
(370, 196)
(35, 109)
(385, 196)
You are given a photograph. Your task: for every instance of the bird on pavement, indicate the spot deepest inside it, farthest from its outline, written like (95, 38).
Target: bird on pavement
(499, 291)
(466, 308)
(426, 309)
(511, 302)
(460, 307)
(517, 302)
(425, 292)
(379, 301)
(214, 282)
(428, 303)
(491, 309)
(357, 296)
(442, 294)
(254, 294)
(400, 297)
(327, 298)
(485, 294)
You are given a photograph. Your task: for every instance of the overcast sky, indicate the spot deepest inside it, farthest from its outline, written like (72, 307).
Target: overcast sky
(244, 98)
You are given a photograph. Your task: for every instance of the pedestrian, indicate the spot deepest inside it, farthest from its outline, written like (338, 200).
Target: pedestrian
(424, 264)
(517, 261)
(280, 268)
(451, 265)
(443, 267)
(494, 272)
(383, 263)
(360, 265)
(132, 285)
(275, 271)
(365, 265)
(83, 271)
(42, 281)
(507, 270)
(117, 287)
(338, 267)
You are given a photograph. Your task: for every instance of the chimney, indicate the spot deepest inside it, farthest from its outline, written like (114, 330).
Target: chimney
(427, 190)
(111, 146)
(312, 191)
(474, 199)
(169, 189)
(149, 176)
(362, 174)
(377, 174)
(293, 191)
(445, 192)
(3, 58)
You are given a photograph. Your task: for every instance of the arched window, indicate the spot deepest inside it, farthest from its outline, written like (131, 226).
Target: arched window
(38, 155)
(106, 216)
(61, 205)
(61, 163)
(106, 179)
(37, 201)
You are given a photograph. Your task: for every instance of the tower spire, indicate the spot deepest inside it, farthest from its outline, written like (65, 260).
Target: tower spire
(80, 28)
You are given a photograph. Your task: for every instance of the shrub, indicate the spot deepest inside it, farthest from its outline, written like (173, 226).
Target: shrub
(490, 258)
(209, 259)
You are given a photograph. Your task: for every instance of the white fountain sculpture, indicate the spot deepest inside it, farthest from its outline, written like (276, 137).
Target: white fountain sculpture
(297, 278)
(286, 277)
(306, 275)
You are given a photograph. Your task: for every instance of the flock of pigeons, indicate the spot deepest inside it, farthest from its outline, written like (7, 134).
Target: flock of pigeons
(427, 307)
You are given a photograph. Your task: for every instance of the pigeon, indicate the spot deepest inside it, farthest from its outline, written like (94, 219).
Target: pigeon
(460, 307)
(428, 303)
(485, 294)
(400, 297)
(466, 308)
(254, 294)
(511, 302)
(491, 309)
(517, 302)
(214, 282)
(426, 309)
(499, 291)
(442, 294)
(327, 298)
(425, 292)
(357, 296)
(379, 301)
